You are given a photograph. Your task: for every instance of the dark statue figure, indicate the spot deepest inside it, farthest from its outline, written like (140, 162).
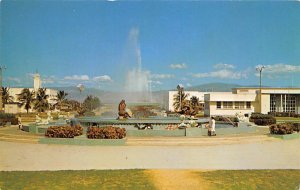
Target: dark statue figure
(122, 110)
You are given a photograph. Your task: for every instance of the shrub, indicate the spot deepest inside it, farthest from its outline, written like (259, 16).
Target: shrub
(7, 117)
(296, 127)
(281, 129)
(262, 119)
(64, 131)
(284, 114)
(225, 119)
(106, 133)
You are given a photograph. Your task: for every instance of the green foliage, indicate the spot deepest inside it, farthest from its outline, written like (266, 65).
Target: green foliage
(7, 117)
(61, 97)
(83, 179)
(262, 119)
(64, 131)
(6, 98)
(41, 101)
(26, 97)
(180, 98)
(106, 133)
(91, 102)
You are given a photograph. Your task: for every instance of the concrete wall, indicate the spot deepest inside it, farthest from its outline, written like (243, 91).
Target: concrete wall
(265, 103)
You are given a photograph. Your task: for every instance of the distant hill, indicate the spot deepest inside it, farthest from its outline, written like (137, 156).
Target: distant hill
(157, 96)
(214, 87)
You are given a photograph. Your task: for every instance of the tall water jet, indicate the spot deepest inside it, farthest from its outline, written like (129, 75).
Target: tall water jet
(137, 83)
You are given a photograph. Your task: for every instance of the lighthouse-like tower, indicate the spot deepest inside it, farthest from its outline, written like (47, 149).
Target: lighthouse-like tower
(37, 82)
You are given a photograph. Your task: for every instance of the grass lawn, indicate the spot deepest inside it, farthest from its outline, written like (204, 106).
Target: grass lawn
(252, 179)
(90, 179)
(286, 119)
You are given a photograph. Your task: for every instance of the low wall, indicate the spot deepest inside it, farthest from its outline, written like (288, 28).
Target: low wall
(287, 137)
(151, 133)
(82, 140)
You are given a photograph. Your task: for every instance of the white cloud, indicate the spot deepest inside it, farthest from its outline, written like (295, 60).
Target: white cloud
(155, 82)
(224, 66)
(278, 70)
(14, 79)
(77, 77)
(178, 66)
(161, 76)
(103, 78)
(222, 74)
(188, 84)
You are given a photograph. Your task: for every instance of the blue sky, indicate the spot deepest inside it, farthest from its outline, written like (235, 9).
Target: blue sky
(189, 43)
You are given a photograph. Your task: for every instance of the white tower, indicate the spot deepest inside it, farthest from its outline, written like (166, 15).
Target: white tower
(37, 83)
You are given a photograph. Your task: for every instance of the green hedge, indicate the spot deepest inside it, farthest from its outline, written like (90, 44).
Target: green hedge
(284, 114)
(106, 133)
(262, 119)
(64, 131)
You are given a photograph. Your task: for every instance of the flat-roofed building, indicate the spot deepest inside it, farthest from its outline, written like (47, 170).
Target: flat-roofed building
(246, 100)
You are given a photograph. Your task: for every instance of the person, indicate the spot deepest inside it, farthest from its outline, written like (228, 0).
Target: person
(20, 122)
(213, 126)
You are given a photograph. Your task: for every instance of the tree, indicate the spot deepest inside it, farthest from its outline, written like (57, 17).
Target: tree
(6, 98)
(179, 99)
(91, 102)
(41, 101)
(194, 101)
(60, 98)
(26, 98)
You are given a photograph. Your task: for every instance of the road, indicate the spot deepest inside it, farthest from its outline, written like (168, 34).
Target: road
(255, 155)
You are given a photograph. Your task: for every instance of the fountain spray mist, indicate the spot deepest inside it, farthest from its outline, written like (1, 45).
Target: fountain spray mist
(137, 83)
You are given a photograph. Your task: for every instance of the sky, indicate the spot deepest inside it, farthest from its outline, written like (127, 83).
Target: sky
(182, 42)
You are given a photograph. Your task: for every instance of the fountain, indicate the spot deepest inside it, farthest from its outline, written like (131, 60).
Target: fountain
(136, 82)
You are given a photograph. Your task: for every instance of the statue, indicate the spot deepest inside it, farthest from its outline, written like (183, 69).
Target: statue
(123, 114)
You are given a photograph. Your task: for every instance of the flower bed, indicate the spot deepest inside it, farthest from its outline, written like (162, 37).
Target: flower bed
(64, 131)
(281, 129)
(106, 133)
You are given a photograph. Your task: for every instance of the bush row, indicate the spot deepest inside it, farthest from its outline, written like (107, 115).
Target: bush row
(106, 132)
(262, 119)
(284, 114)
(222, 118)
(282, 129)
(64, 131)
(7, 117)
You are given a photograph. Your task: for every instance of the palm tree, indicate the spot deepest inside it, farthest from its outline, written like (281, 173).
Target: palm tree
(26, 98)
(6, 98)
(194, 101)
(41, 101)
(179, 100)
(60, 98)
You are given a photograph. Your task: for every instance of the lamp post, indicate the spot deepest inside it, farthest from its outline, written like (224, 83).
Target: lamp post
(1, 103)
(180, 89)
(260, 69)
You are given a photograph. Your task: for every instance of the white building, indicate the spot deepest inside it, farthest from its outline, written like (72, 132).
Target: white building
(37, 83)
(247, 100)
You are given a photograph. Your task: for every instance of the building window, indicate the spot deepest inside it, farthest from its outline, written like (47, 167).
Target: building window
(272, 103)
(239, 105)
(227, 105)
(248, 105)
(219, 105)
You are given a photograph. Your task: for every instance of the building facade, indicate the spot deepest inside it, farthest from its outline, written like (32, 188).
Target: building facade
(248, 100)
(37, 83)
